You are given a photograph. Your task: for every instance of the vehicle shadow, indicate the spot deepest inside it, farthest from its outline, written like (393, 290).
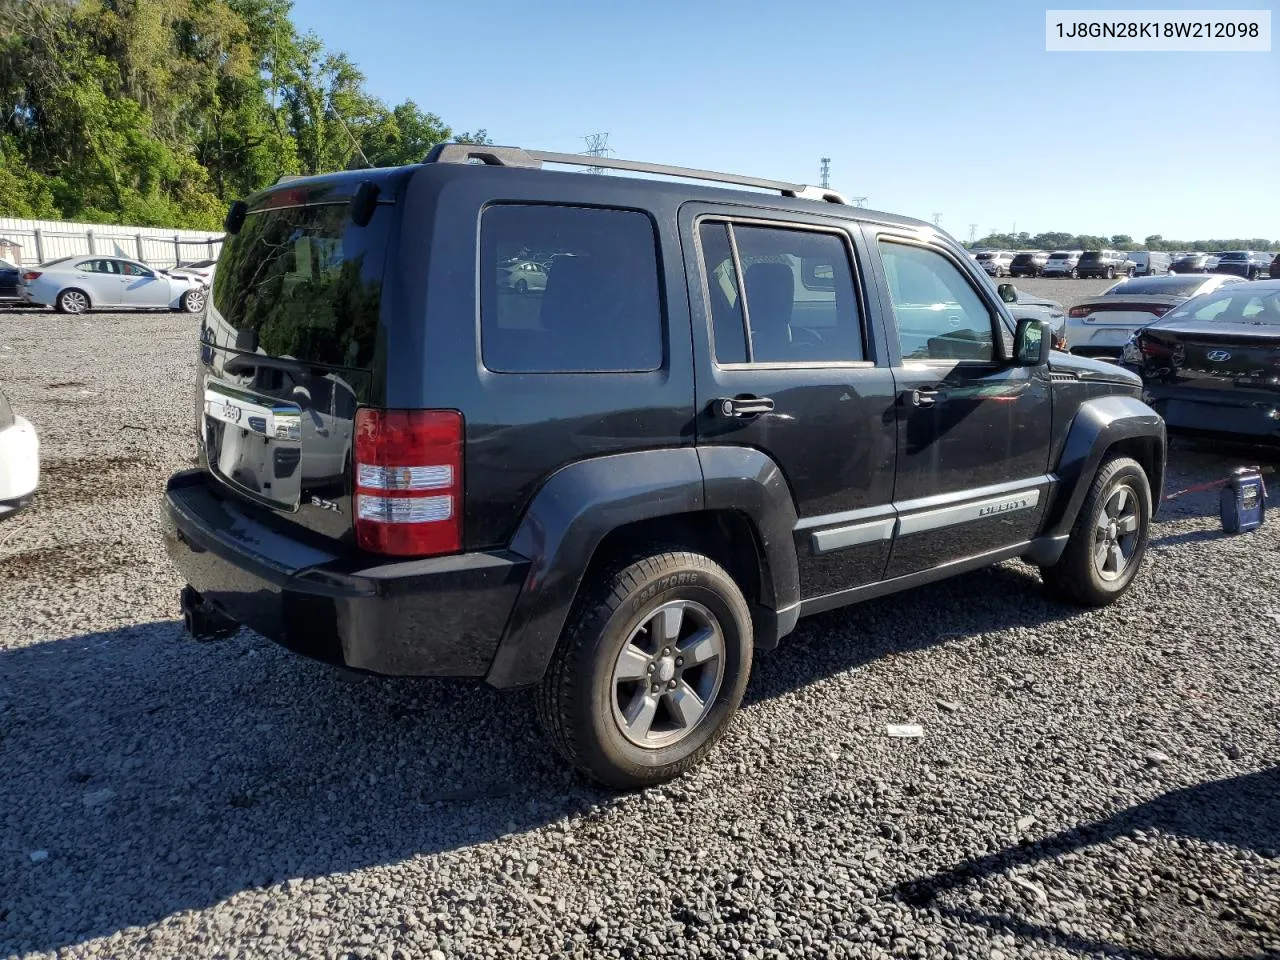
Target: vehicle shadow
(1243, 812)
(149, 801)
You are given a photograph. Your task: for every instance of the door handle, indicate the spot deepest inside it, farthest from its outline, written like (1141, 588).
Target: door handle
(742, 406)
(924, 397)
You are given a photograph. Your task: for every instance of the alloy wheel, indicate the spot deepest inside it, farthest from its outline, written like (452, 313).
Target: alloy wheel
(1115, 536)
(195, 301)
(668, 674)
(73, 301)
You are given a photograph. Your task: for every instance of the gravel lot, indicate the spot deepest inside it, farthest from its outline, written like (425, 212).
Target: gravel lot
(1089, 783)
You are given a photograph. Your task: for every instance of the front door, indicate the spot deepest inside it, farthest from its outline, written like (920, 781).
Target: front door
(142, 287)
(785, 364)
(973, 428)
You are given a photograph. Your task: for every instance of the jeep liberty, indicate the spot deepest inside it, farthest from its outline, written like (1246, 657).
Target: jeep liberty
(718, 409)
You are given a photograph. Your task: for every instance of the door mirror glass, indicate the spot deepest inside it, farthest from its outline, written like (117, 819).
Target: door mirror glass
(1008, 292)
(1032, 342)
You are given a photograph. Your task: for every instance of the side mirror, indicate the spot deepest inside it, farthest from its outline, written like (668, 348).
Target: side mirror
(1032, 342)
(1008, 292)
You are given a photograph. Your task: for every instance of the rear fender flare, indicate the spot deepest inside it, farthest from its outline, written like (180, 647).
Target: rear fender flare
(1099, 425)
(583, 503)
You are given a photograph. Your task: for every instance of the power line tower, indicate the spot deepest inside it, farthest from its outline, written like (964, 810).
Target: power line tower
(597, 146)
(973, 232)
(937, 220)
(825, 182)
(859, 201)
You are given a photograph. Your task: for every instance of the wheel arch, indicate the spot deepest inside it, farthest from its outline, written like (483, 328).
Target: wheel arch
(733, 507)
(1104, 427)
(71, 287)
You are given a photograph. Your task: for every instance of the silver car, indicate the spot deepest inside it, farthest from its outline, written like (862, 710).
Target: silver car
(77, 284)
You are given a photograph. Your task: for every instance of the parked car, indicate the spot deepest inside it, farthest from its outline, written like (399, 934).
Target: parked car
(1062, 263)
(1149, 263)
(1244, 263)
(995, 262)
(709, 425)
(1100, 326)
(522, 276)
(1028, 264)
(1190, 263)
(10, 274)
(1104, 263)
(77, 284)
(1275, 267)
(201, 269)
(1209, 366)
(19, 461)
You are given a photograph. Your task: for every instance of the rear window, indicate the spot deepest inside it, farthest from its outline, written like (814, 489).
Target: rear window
(1159, 286)
(1233, 256)
(568, 290)
(1059, 256)
(1238, 306)
(986, 256)
(302, 282)
(1091, 255)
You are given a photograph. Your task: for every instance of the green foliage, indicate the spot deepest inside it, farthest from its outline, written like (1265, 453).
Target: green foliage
(159, 112)
(1120, 241)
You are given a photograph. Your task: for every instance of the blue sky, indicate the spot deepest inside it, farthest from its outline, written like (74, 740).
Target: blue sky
(923, 107)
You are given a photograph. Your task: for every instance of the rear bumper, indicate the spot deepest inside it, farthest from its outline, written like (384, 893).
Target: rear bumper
(442, 616)
(1256, 420)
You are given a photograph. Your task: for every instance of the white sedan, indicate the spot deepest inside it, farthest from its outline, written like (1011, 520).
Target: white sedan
(77, 284)
(19, 461)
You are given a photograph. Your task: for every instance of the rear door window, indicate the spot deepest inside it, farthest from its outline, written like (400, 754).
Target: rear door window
(569, 290)
(800, 300)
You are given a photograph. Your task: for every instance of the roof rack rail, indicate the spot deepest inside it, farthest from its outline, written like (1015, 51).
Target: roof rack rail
(534, 159)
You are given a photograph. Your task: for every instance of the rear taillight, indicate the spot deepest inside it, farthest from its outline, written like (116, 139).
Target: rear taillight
(408, 481)
(1078, 312)
(31, 275)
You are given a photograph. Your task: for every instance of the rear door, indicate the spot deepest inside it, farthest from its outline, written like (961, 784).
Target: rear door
(787, 363)
(973, 430)
(100, 278)
(288, 348)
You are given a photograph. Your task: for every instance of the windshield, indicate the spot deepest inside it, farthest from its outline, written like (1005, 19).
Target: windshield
(301, 282)
(1237, 306)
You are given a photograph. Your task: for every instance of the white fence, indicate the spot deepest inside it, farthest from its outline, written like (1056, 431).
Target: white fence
(43, 240)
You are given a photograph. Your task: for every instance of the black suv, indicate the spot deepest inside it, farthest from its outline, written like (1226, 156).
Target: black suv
(1028, 265)
(1105, 263)
(723, 411)
(1244, 263)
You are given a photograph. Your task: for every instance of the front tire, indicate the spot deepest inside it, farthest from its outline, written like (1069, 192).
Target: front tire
(1111, 273)
(1109, 539)
(1074, 274)
(522, 287)
(72, 301)
(649, 671)
(192, 301)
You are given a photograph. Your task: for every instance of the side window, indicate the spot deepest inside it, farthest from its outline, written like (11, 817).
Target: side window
(801, 306)
(596, 308)
(133, 270)
(90, 266)
(109, 266)
(939, 315)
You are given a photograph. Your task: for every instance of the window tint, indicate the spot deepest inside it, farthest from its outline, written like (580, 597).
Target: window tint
(302, 282)
(1235, 307)
(939, 315)
(133, 270)
(1158, 286)
(568, 290)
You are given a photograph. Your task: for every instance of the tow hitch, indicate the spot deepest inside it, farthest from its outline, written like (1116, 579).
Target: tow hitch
(202, 621)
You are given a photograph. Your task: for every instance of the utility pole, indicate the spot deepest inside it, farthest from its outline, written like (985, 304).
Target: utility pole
(937, 220)
(826, 173)
(973, 232)
(597, 146)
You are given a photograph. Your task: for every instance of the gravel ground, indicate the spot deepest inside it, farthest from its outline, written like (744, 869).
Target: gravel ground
(1088, 783)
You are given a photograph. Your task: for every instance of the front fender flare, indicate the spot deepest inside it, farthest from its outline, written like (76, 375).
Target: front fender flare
(1098, 425)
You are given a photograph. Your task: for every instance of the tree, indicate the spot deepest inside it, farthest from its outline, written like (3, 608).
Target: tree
(161, 111)
(1121, 240)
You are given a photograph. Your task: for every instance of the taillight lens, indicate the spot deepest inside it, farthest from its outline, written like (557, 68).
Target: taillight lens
(1078, 312)
(408, 481)
(31, 275)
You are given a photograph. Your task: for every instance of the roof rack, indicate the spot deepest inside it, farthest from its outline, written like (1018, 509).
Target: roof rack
(534, 159)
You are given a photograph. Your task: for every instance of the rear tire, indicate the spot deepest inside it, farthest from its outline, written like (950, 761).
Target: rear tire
(616, 699)
(1109, 539)
(1074, 274)
(522, 287)
(72, 301)
(1111, 273)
